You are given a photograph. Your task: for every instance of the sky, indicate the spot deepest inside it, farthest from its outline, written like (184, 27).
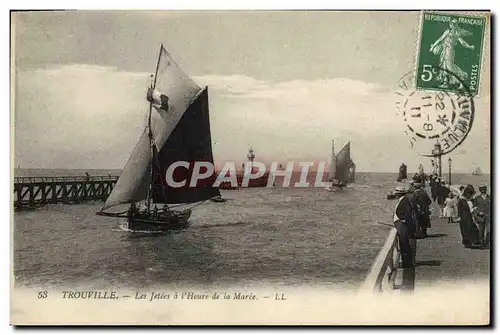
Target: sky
(285, 83)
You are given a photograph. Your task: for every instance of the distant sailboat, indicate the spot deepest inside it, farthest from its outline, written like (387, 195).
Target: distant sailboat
(477, 172)
(178, 129)
(402, 175)
(421, 169)
(342, 168)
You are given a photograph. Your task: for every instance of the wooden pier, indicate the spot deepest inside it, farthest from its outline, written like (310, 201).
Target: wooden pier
(32, 192)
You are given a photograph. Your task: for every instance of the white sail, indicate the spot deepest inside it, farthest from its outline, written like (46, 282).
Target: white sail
(421, 169)
(179, 91)
(352, 172)
(134, 180)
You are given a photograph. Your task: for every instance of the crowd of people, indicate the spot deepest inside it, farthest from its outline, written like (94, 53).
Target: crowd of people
(474, 217)
(412, 215)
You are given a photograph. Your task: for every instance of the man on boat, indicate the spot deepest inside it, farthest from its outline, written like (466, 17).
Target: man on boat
(166, 209)
(132, 210)
(423, 202)
(404, 221)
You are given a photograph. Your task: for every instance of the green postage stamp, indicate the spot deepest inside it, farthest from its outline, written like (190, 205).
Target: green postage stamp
(450, 52)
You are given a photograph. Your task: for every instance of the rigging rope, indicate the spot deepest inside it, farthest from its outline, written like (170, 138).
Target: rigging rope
(179, 205)
(196, 205)
(158, 167)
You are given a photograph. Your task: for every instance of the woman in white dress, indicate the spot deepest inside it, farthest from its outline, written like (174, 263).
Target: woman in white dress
(450, 207)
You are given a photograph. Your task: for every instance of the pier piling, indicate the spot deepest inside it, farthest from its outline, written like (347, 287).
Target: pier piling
(31, 192)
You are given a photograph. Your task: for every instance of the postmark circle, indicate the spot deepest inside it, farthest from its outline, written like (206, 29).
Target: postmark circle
(431, 117)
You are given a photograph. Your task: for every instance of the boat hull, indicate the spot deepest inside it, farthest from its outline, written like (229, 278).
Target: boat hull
(258, 182)
(335, 185)
(163, 221)
(218, 200)
(225, 185)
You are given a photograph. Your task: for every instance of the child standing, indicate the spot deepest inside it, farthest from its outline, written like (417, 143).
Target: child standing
(450, 207)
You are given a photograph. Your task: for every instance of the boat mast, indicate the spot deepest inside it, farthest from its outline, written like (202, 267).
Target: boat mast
(150, 132)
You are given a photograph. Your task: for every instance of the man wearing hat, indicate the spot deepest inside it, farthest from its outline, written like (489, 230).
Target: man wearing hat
(461, 189)
(434, 186)
(423, 202)
(482, 202)
(404, 221)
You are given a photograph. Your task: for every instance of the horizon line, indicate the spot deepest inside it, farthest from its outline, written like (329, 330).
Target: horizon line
(109, 169)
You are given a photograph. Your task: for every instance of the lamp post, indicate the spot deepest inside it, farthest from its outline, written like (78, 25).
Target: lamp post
(437, 153)
(449, 171)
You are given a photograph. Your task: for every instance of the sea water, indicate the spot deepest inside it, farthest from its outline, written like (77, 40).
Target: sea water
(277, 236)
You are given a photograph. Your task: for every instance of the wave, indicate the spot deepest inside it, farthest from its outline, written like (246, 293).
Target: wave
(231, 224)
(124, 229)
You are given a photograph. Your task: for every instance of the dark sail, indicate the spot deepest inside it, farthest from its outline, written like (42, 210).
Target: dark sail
(402, 172)
(190, 141)
(343, 164)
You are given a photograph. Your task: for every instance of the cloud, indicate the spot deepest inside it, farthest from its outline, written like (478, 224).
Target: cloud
(85, 116)
(232, 85)
(339, 104)
(78, 108)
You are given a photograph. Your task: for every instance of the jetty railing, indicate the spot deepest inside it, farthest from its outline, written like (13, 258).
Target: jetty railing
(384, 270)
(18, 180)
(31, 192)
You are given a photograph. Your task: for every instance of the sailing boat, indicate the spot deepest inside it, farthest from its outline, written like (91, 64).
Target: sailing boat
(477, 172)
(178, 129)
(420, 169)
(342, 168)
(402, 175)
(402, 189)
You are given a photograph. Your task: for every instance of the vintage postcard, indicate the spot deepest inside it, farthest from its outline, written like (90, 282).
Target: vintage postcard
(250, 168)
